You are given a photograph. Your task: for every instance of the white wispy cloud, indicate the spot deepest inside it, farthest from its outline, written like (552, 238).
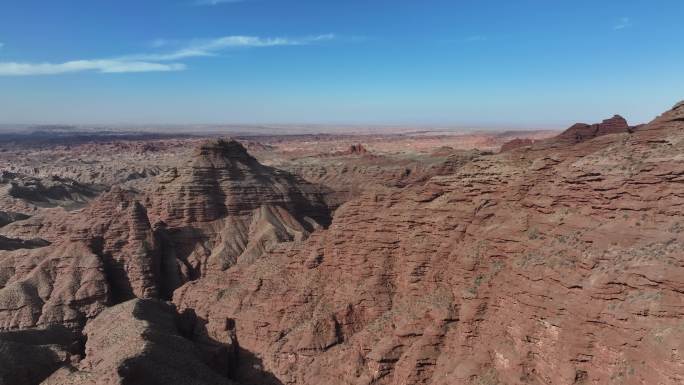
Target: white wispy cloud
(624, 22)
(212, 47)
(216, 2)
(102, 66)
(151, 62)
(2, 44)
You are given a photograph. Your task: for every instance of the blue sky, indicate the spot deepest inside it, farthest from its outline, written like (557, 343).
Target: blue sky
(486, 63)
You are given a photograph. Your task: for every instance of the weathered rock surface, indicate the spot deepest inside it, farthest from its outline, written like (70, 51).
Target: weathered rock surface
(347, 177)
(581, 132)
(104, 254)
(223, 208)
(357, 149)
(27, 192)
(115, 227)
(557, 263)
(560, 264)
(226, 207)
(8, 217)
(62, 284)
(138, 343)
(29, 356)
(516, 143)
(16, 243)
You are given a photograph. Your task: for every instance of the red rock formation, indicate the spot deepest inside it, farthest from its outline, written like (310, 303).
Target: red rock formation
(357, 149)
(581, 132)
(60, 284)
(29, 356)
(226, 207)
(225, 204)
(104, 254)
(137, 342)
(558, 265)
(516, 143)
(116, 228)
(15, 243)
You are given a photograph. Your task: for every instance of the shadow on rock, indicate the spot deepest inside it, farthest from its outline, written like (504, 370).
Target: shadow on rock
(27, 357)
(225, 357)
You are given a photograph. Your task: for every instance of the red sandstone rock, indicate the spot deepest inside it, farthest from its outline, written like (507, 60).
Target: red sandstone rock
(138, 342)
(558, 265)
(29, 356)
(226, 207)
(116, 228)
(581, 132)
(357, 149)
(9, 217)
(516, 143)
(61, 284)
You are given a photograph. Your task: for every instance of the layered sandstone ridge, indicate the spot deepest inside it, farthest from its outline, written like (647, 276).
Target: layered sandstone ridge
(223, 179)
(581, 132)
(560, 263)
(556, 262)
(113, 233)
(137, 342)
(60, 267)
(226, 207)
(61, 284)
(516, 143)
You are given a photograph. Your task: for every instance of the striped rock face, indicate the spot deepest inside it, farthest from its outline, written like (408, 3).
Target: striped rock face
(554, 262)
(557, 263)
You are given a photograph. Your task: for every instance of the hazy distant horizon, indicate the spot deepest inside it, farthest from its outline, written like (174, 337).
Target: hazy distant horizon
(311, 126)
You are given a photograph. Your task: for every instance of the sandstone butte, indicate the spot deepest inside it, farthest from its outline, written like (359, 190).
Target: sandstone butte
(556, 262)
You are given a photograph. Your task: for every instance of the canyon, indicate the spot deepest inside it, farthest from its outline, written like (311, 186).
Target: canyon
(535, 257)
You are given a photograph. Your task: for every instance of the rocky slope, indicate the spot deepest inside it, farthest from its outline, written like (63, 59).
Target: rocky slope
(138, 342)
(61, 284)
(63, 268)
(516, 143)
(559, 263)
(347, 174)
(114, 233)
(581, 132)
(225, 207)
(25, 193)
(554, 262)
(30, 356)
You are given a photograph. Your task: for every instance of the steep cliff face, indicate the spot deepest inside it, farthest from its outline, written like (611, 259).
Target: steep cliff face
(59, 284)
(104, 254)
(560, 263)
(581, 132)
(516, 143)
(22, 192)
(64, 267)
(138, 342)
(226, 207)
(115, 227)
(223, 180)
